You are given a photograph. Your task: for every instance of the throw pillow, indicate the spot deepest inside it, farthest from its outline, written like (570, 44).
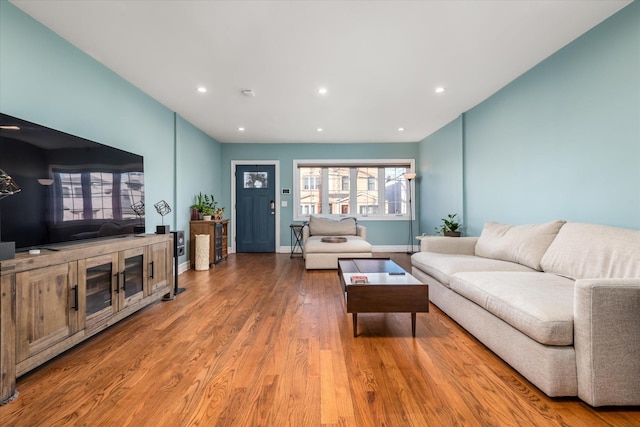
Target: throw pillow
(590, 251)
(319, 226)
(523, 244)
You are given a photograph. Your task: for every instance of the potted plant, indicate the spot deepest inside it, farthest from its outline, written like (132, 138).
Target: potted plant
(205, 205)
(450, 226)
(207, 212)
(196, 208)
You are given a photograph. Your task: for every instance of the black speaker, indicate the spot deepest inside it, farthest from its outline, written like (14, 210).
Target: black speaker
(178, 243)
(178, 250)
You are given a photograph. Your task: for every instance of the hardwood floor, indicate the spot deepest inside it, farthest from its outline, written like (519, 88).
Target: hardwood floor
(259, 341)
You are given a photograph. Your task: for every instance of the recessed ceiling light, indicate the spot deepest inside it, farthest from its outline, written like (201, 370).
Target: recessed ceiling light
(322, 91)
(240, 129)
(202, 89)
(400, 129)
(9, 127)
(440, 89)
(319, 129)
(248, 92)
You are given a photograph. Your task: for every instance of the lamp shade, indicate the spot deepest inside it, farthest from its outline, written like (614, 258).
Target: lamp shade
(410, 175)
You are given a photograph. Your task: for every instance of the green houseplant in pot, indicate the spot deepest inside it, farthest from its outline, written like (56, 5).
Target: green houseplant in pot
(207, 212)
(450, 226)
(205, 205)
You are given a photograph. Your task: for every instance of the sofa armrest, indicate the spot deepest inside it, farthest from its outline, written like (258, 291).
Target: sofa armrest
(305, 233)
(607, 340)
(449, 245)
(361, 231)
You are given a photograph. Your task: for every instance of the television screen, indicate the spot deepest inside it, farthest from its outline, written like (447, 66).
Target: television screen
(71, 188)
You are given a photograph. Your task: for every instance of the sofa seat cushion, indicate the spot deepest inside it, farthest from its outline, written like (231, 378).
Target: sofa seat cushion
(539, 305)
(443, 266)
(352, 245)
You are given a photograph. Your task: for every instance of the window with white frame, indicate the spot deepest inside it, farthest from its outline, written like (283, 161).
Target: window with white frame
(372, 189)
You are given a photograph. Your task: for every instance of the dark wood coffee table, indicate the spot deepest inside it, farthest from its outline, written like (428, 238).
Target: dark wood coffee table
(388, 289)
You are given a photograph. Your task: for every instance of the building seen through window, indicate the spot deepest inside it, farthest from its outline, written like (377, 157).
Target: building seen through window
(378, 190)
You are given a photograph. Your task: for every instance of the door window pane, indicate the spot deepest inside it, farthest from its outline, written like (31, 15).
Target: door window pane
(256, 180)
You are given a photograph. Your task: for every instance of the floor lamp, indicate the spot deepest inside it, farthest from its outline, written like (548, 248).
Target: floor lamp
(409, 176)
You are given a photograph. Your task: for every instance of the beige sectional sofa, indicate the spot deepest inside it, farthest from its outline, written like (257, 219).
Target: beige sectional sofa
(559, 302)
(323, 255)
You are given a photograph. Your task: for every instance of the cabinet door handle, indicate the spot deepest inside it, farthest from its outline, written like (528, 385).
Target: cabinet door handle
(124, 280)
(117, 276)
(151, 275)
(75, 303)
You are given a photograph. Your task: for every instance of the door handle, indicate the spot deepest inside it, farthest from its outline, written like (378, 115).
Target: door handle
(75, 303)
(272, 205)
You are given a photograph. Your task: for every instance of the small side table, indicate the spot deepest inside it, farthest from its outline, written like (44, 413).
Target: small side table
(296, 240)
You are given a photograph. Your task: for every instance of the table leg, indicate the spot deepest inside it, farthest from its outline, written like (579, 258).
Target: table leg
(413, 324)
(355, 325)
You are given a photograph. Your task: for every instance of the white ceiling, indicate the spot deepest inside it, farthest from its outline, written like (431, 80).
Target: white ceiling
(379, 60)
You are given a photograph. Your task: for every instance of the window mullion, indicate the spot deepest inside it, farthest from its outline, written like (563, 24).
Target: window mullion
(325, 191)
(297, 188)
(353, 192)
(382, 186)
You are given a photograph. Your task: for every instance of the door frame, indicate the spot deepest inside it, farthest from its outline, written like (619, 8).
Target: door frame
(235, 163)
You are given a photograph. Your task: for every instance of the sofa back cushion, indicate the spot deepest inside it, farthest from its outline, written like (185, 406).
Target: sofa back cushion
(319, 226)
(591, 251)
(524, 244)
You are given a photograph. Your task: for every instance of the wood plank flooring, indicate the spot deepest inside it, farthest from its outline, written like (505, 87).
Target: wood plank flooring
(259, 341)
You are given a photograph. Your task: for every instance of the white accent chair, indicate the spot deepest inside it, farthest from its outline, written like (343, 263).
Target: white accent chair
(324, 255)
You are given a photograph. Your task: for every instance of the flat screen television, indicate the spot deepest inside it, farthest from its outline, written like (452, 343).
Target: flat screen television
(71, 188)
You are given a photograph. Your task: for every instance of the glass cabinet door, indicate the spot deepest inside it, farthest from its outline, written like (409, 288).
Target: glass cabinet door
(133, 282)
(217, 249)
(99, 290)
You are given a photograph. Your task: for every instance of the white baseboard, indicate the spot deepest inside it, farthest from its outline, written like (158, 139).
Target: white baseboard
(376, 248)
(287, 250)
(184, 266)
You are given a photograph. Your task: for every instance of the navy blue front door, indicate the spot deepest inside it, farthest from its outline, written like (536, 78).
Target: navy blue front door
(255, 208)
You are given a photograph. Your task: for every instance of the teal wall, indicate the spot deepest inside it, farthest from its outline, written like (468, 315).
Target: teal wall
(440, 175)
(197, 169)
(378, 232)
(46, 80)
(560, 142)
